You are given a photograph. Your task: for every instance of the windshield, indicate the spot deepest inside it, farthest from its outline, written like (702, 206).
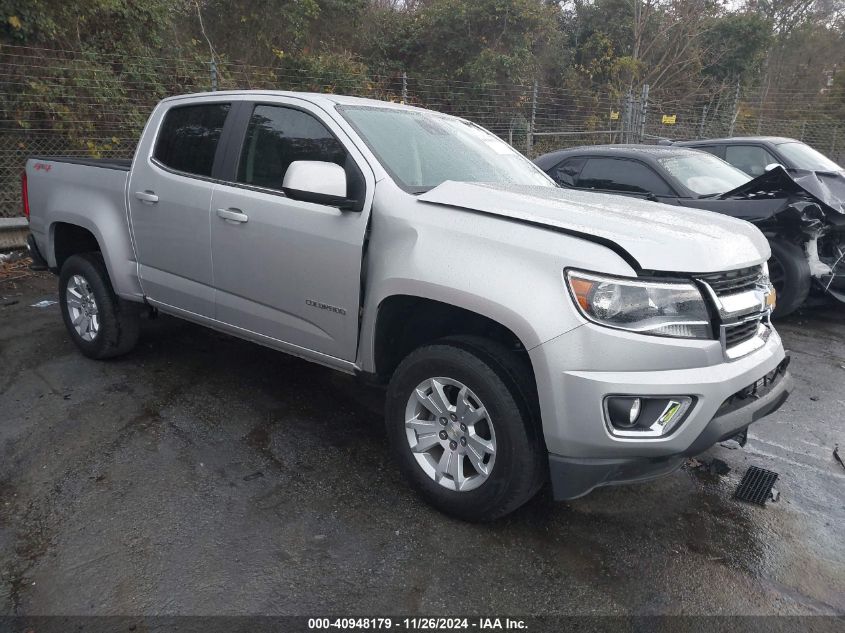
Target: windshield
(805, 157)
(421, 150)
(704, 174)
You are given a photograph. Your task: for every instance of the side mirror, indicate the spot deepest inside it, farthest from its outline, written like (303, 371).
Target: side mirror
(317, 181)
(771, 166)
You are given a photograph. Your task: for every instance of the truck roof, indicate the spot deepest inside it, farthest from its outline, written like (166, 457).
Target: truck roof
(322, 98)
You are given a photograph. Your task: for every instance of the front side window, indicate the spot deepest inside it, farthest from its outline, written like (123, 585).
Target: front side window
(618, 174)
(421, 149)
(188, 137)
(752, 159)
(276, 137)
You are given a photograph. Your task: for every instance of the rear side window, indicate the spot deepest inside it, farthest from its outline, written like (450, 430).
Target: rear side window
(188, 137)
(276, 137)
(619, 174)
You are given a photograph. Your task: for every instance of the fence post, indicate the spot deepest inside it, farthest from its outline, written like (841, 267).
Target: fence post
(833, 141)
(703, 120)
(404, 88)
(643, 112)
(803, 129)
(213, 67)
(529, 136)
(627, 117)
(735, 113)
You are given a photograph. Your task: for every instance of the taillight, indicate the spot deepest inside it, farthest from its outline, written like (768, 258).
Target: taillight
(24, 194)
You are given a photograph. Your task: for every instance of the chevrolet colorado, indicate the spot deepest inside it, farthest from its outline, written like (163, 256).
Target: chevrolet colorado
(524, 332)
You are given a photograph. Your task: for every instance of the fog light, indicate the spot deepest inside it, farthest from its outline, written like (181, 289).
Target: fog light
(623, 412)
(645, 416)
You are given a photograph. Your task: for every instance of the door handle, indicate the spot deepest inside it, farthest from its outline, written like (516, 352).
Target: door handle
(232, 215)
(146, 196)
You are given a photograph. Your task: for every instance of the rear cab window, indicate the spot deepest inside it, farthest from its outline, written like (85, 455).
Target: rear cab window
(188, 138)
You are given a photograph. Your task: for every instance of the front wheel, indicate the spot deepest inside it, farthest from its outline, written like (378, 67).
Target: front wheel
(98, 321)
(461, 424)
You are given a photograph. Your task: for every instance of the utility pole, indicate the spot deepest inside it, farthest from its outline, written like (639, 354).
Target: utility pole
(643, 112)
(529, 143)
(736, 110)
(213, 66)
(703, 120)
(628, 117)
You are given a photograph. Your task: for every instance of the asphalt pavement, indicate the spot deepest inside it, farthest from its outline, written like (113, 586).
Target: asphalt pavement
(205, 475)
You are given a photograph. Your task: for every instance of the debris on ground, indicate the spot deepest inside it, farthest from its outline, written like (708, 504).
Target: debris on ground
(44, 303)
(775, 495)
(718, 467)
(756, 485)
(254, 475)
(713, 467)
(837, 456)
(14, 266)
(731, 444)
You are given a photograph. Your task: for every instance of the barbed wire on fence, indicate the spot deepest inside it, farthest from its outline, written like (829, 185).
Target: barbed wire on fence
(61, 102)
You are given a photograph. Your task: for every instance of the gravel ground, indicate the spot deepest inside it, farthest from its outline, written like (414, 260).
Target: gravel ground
(204, 475)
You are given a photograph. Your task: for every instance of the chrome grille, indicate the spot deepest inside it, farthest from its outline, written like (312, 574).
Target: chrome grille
(738, 296)
(741, 332)
(733, 281)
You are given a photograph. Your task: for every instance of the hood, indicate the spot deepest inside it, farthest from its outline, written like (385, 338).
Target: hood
(825, 188)
(656, 236)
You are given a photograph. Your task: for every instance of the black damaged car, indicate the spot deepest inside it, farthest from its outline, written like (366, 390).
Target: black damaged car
(802, 218)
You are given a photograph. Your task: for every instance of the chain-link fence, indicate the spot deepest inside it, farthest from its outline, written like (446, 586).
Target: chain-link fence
(71, 103)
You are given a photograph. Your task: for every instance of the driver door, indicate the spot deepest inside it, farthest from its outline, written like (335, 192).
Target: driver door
(288, 271)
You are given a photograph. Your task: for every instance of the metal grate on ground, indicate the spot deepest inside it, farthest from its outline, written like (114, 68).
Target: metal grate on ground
(756, 485)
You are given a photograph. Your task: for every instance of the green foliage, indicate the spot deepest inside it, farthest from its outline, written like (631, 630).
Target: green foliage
(466, 56)
(738, 44)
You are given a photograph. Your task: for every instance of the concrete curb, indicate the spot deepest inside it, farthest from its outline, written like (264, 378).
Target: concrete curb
(13, 233)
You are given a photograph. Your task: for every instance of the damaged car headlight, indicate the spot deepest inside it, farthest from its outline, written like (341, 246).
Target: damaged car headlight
(647, 307)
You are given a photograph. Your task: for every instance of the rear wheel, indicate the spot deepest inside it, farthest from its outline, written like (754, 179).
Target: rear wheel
(789, 273)
(463, 429)
(99, 322)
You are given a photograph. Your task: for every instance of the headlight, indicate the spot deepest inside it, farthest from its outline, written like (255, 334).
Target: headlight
(646, 307)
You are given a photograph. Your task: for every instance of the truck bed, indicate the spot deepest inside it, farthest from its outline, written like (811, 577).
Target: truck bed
(121, 164)
(89, 194)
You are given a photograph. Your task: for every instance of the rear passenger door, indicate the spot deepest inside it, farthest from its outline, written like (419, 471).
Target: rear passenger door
(169, 199)
(286, 269)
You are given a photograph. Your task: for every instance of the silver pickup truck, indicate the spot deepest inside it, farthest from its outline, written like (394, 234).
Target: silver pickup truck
(524, 332)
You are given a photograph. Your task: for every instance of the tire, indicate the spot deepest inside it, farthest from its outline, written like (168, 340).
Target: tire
(789, 272)
(497, 379)
(117, 322)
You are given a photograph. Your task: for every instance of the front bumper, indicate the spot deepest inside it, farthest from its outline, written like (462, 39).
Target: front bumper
(583, 452)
